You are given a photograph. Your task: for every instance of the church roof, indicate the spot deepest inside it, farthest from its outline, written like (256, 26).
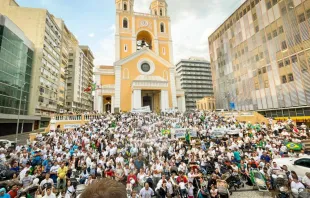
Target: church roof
(139, 53)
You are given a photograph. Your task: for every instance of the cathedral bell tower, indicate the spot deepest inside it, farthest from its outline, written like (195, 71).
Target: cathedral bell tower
(159, 7)
(124, 5)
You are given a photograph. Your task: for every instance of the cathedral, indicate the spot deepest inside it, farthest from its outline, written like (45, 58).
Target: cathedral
(143, 74)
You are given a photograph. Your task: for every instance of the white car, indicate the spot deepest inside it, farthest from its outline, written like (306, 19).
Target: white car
(300, 165)
(6, 143)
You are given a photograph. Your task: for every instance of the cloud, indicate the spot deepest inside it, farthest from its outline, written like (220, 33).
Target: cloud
(192, 23)
(91, 35)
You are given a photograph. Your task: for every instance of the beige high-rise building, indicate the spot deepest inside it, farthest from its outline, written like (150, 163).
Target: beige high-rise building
(80, 77)
(51, 69)
(40, 27)
(260, 58)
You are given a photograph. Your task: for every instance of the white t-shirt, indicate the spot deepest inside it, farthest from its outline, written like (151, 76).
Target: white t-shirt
(306, 180)
(297, 186)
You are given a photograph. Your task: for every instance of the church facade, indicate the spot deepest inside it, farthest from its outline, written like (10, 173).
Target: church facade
(143, 73)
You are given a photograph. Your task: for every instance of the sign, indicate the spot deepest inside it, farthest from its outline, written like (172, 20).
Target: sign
(230, 114)
(233, 131)
(146, 109)
(219, 130)
(180, 133)
(170, 110)
(71, 126)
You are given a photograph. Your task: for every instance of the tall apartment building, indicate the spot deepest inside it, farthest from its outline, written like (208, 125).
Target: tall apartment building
(40, 27)
(196, 80)
(80, 77)
(53, 42)
(16, 58)
(260, 58)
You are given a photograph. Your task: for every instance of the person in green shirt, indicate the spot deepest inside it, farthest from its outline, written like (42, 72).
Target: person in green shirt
(187, 137)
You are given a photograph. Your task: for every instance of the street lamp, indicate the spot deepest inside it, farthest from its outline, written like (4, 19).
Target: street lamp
(25, 99)
(20, 102)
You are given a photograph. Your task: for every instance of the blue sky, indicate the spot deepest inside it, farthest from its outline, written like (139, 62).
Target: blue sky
(92, 22)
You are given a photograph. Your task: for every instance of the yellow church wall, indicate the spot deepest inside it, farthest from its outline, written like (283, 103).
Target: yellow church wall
(165, 55)
(126, 89)
(107, 79)
(124, 42)
(150, 21)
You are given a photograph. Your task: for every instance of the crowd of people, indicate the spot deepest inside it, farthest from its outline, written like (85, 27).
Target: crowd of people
(141, 151)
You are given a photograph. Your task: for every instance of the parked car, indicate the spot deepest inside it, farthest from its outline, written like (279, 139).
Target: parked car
(7, 143)
(299, 165)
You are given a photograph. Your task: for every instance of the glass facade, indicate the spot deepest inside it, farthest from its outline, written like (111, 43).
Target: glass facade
(260, 58)
(15, 72)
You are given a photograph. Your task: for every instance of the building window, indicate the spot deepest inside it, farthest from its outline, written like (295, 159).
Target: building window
(280, 64)
(264, 70)
(294, 59)
(125, 6)
(269, 36)
(161, 12)
(274, 2)
(287, 62)
(155, 12)
(275, 33)
(290, 77)
(125, 23)
(268, 4)
(162, 27)
(281, 30)
(301, 18)
(164, 51)
(308, 14)
(254, 16)
(256, 29)
(283, 45)
(125, 47)
(284, 80)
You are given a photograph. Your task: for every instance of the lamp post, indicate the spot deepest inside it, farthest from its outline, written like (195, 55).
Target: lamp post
(20, 102)
(25, 99)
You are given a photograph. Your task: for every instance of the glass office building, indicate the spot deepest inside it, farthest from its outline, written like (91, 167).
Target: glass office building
(16, 54)
(260, 58)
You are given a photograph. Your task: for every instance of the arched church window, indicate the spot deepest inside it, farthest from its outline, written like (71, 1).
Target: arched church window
(125, 73)
(162, 27)
(125, 6)
(161, 12)
(155, 12)
(125, 23)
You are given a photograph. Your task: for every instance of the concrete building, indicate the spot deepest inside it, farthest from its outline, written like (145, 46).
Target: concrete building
(40, 27)
(52, 41)
(80, 77)
(260, 58)
(16, 60)
(196, 80)
(207, 103)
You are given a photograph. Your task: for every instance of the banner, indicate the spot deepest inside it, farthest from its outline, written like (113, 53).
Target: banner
(165, 131)
(180, 133)
(146, 109)
(71, 126)
(248, 113)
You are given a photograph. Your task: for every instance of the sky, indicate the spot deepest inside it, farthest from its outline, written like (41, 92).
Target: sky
(93, 23)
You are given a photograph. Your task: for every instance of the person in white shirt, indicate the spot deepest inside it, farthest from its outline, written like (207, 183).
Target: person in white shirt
(306, 180)
(146, 192)
(296, 185)
(47, 180)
